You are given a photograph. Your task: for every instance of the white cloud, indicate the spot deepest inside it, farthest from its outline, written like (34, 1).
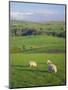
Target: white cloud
(46, 12)
(19, 15)
(43, 12)
(23, 15)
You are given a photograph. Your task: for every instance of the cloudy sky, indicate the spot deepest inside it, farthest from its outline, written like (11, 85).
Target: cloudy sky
(36, 12)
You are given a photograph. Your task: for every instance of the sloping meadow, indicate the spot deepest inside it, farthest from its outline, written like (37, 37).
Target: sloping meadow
(38, 47)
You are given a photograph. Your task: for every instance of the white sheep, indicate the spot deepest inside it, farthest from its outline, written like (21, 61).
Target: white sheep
(32, 64)
(51, 67)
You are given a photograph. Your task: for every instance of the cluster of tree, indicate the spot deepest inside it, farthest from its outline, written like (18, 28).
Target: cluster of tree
(58, 34)
(31, 31)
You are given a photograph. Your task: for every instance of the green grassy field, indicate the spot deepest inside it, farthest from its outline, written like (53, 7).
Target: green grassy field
(38, 44)
(21, 75)
(39, 48)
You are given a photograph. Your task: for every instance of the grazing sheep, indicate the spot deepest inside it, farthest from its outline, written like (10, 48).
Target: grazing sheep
(51, 67)
(32, 64)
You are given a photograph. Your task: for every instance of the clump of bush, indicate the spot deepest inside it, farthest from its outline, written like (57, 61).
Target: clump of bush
(25, 31)
(15, 50)
(23, 47)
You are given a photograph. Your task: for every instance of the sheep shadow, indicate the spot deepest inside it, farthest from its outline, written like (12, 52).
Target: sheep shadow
(26, 68)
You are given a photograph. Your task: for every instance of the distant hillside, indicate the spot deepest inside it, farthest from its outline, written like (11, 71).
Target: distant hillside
(50, 28)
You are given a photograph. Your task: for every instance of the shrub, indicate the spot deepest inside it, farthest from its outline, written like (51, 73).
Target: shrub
(23, 47)
(15, 50)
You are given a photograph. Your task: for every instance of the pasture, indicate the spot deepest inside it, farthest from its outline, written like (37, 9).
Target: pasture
(37, 44)
(21, 75)
(38, 47)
